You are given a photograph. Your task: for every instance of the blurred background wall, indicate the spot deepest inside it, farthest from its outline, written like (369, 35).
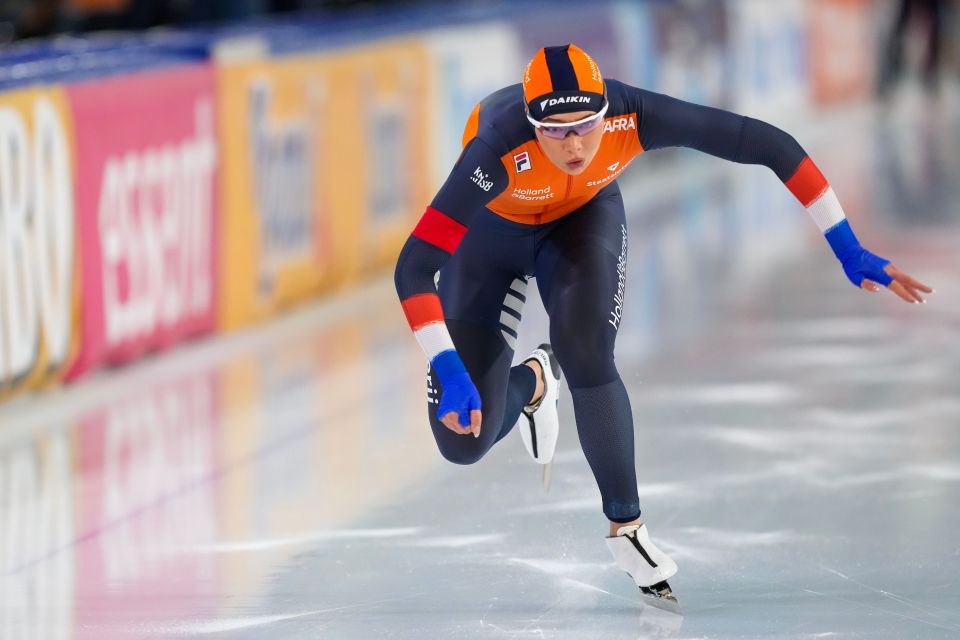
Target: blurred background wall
(173, 169)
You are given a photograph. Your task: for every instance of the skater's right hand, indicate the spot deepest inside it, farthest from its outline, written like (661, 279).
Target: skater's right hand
(459, 408)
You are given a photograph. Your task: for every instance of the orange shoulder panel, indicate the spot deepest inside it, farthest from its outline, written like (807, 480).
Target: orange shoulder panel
(473, 125)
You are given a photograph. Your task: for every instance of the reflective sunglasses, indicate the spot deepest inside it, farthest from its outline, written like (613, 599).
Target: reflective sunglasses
(560, 130)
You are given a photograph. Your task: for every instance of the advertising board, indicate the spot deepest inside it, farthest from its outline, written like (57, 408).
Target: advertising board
(147, 211)
(327, 167)
(39, 290)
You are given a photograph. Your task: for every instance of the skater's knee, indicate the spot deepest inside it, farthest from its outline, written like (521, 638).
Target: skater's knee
(464, 453)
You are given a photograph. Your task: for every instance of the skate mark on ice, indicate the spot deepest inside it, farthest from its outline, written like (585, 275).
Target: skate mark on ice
(455, 542)
(592, 502)
(557, 567)
(865, 605)
(936, 613)
(579, 584)
(221, 625)
(203, 627)
(738, 539)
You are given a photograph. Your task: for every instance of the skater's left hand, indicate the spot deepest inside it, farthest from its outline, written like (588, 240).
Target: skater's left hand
(900, 283)
(869, 271)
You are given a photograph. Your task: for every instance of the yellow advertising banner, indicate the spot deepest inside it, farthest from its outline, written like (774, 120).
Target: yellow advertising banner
(39, 262)
(395, 115)
(325, 170)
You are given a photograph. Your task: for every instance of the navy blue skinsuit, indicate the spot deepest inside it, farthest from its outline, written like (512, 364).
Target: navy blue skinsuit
(577, 259)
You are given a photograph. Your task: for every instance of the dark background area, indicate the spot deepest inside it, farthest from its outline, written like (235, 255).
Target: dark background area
(37, 18)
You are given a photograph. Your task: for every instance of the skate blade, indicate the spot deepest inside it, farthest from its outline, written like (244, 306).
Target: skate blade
(547, 475)
(661, 596)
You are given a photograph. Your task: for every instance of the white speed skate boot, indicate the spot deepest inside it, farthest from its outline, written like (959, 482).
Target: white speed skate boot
(648, 566)
(539, 424)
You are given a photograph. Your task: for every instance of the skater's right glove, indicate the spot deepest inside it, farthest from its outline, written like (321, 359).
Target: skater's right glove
(459, 408)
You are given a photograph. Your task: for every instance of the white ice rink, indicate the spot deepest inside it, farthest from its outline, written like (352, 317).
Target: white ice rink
(798, 446)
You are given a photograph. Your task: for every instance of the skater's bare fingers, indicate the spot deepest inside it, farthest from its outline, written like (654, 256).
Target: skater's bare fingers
(906, 279)
(901, 291)
(913, 292)
(451, 421)
(870, 285)
(475, 420)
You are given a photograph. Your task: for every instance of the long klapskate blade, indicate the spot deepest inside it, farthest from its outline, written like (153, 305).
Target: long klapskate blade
(662, 598)
(547, 475)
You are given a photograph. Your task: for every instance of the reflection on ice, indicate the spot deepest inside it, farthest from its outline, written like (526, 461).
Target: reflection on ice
(222, 625)
(37, 565)
(312, 539)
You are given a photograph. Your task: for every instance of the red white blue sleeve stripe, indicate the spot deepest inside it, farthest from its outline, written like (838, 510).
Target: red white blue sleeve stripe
(813, 191)
(425, 317)
(423, 310)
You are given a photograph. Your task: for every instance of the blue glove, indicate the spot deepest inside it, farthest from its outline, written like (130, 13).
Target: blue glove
(858, 263)
(458, 394)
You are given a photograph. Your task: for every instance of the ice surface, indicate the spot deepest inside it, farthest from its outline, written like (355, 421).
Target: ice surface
(797, 449)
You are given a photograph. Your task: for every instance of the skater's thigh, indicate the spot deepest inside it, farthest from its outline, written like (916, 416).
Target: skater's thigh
(581, 273)
(488, 360)
(482, 289)
(584, 252)
(484, 283)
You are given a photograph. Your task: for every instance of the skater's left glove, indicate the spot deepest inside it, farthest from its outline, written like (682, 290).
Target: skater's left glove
(867, 270)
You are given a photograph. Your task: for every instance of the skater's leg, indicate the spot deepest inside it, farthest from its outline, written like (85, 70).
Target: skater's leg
(504, 390)
(482, 289)
(581, 270)
(584, 268)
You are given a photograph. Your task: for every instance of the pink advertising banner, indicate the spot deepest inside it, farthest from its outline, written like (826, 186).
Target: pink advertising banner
(147, 211)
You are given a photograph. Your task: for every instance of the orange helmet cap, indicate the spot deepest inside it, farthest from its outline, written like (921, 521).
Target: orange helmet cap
(562, 80)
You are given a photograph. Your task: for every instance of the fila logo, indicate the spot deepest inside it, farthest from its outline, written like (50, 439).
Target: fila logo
(522, 162)
(623, 123)
(480, 179)
(552, 102)
(614, 166)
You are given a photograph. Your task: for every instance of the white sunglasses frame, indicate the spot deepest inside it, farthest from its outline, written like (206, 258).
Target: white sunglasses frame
(564, 125)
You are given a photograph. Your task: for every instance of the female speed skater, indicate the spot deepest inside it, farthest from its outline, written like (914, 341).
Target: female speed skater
(534, 193)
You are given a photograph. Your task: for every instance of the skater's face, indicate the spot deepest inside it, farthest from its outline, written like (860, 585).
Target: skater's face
(573, 153)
